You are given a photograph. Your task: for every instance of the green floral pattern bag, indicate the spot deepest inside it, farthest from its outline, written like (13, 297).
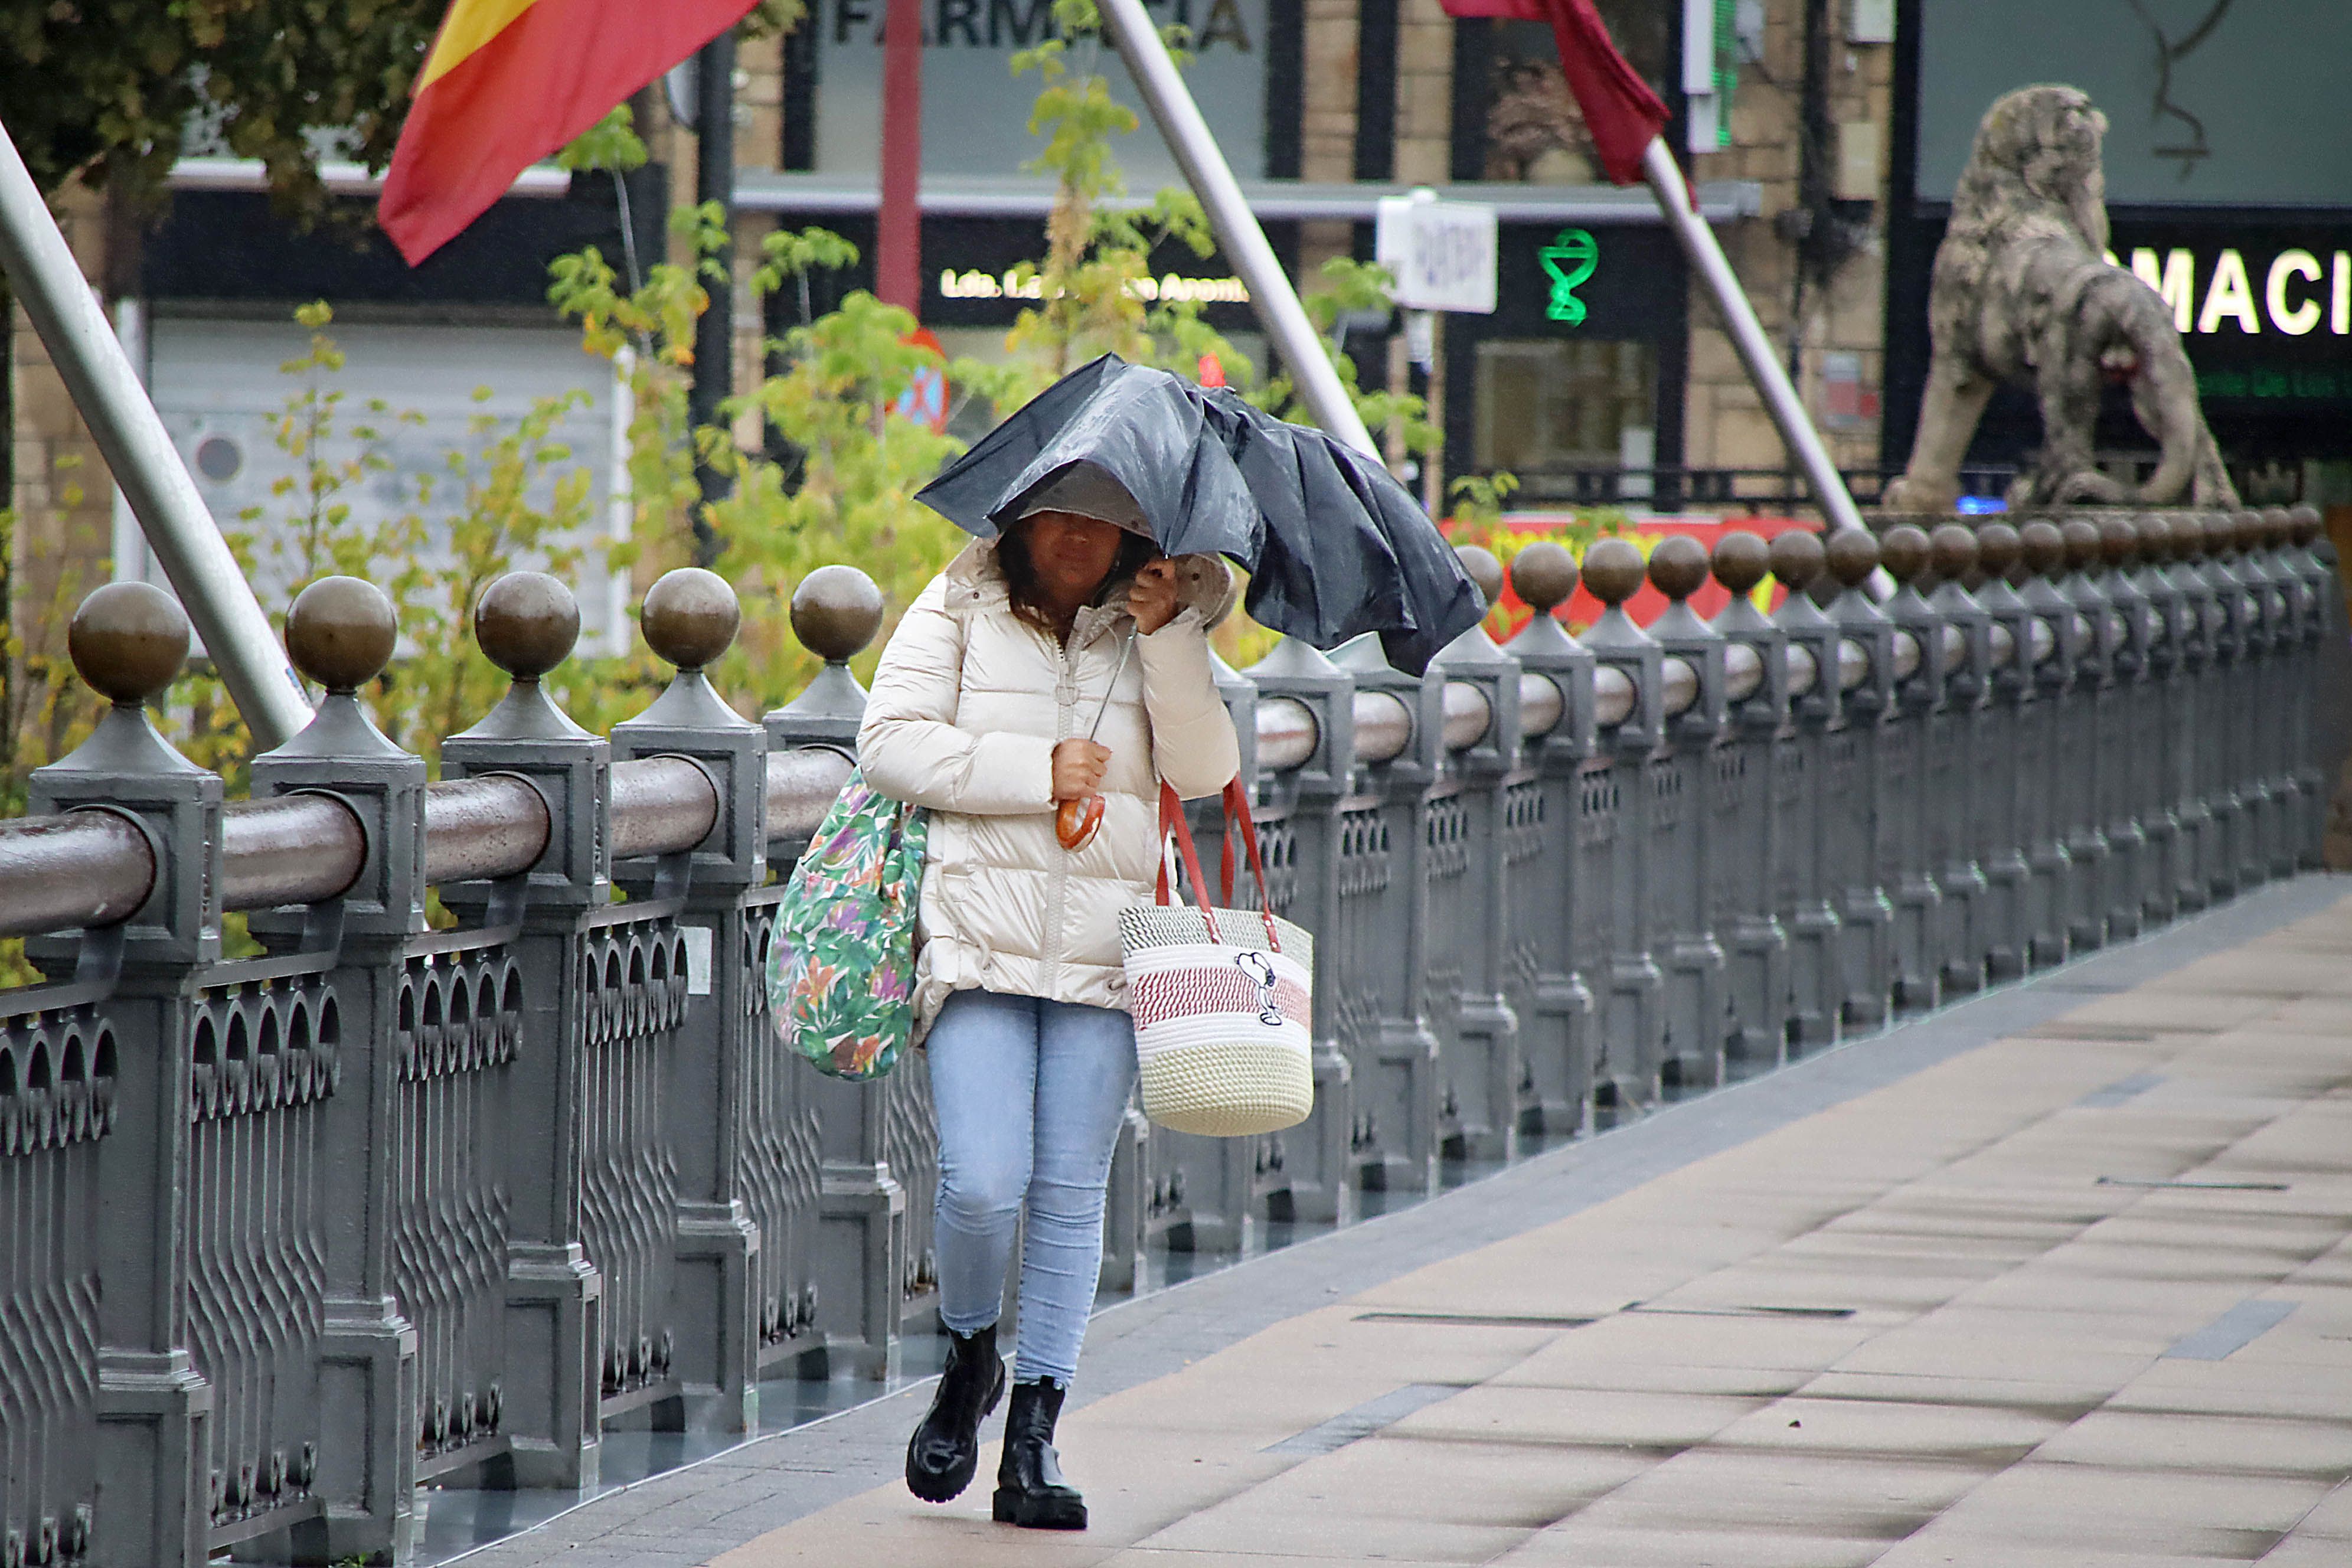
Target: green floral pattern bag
(841, 964)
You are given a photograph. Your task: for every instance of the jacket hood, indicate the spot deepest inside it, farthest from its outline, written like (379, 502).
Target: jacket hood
(1204, 583)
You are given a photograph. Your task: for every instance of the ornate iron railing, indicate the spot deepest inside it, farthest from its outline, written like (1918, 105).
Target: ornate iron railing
(285, 1237)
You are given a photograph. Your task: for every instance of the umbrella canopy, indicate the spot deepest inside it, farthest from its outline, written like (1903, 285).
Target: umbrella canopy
(1334, 546)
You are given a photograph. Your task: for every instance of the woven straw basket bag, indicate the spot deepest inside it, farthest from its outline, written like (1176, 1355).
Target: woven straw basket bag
(1222, 997)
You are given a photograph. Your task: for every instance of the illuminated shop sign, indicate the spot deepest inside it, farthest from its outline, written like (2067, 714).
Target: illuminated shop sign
(1569, 262)
(974, 284)
(2293, 290)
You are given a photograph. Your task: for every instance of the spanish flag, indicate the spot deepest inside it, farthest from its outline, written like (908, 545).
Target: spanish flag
(508, 82)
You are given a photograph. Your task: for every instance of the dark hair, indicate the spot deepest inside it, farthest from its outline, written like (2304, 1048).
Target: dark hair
(1135, 553)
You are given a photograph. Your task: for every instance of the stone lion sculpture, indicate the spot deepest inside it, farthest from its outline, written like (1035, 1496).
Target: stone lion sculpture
(2022, 293)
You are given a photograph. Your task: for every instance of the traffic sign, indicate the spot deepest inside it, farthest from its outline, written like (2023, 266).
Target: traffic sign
(926, 402)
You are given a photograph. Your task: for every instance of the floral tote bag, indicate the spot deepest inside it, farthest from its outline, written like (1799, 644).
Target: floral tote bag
(841, 965)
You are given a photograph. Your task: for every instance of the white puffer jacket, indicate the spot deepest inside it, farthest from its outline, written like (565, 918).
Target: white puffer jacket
(965, 712)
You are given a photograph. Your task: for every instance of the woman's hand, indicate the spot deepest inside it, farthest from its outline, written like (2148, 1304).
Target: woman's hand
(1152, 600)
(1078, 768)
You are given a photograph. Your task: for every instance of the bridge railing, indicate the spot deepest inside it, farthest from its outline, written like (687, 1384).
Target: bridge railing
(287, 1237)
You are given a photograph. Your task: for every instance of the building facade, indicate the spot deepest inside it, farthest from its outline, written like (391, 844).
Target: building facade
(1323, 105)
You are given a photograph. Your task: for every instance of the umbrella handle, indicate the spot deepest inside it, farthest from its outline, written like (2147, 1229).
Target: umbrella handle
(1076, 822)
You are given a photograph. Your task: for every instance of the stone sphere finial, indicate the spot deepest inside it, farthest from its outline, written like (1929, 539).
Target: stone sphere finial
(836, 610)
(1678, 566)
(2278, 528)
(2305, 521)
(341, 631)
(1796, 558)
(1740, 561)
(1543, 575)
(2081, 537)
(2119, 540)
(127, 641)
(2044, 546)
(1614, 570)
(1484, 569)
(1952, 551)
(691, 617)
(2221, 532)
(1997, 548)
(1852, 556)
(2245, 531)
(1904, 551)
(528, 623)
(2155, 537)
(2188, 529)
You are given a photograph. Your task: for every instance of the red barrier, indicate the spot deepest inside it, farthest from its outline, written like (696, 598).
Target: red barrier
(1645, 606)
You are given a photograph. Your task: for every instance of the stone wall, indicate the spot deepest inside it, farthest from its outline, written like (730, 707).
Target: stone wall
(63, 498)
(1727, 426)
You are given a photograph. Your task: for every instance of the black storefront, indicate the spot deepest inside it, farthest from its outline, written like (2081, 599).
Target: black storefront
(2260, 290)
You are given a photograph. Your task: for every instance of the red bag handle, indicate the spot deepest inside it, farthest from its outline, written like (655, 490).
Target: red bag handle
(1237, 812)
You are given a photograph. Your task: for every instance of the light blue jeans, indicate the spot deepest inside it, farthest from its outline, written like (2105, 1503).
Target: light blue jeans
(1029, 1096)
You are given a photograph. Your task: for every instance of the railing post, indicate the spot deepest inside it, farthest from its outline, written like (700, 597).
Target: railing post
(1854, 783)
(1685, 785)
(725, 1311)
(2079, 748)
(1400, 1091)
(341, 632)
(1484, 1067)
(2161, 727)
(2311, 668)
(1907, 784)
(2042, 748)
(1327, 900)
(877, 1143)
(1803, 806)
(2005, 930)
(2225, 712)
(526, 622)
(1629, 1063)
(1749, 773)
(2126, 734)
(2273, 788)
(1562, 894)
(2190, 769)
(150, 1504)
(1957, 764)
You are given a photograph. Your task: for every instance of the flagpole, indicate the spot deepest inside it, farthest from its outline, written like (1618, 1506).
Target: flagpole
(1755, 349)
(106, 392)
(1244, 242)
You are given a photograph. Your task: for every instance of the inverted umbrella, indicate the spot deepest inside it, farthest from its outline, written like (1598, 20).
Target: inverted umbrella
(1334, 546)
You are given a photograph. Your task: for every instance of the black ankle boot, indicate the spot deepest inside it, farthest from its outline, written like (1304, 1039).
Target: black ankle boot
(1030, 1491)
(945, 1449)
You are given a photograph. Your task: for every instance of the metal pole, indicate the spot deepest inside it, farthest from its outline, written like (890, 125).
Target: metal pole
(714, 330)
(899, 225)
(1211, 178)
(113, 404)
(1781, 400)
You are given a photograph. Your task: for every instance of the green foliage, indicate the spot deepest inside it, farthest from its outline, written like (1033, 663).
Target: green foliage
(509, 495)
(108, 85)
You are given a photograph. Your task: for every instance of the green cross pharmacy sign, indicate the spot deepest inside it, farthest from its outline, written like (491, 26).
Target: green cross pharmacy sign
(1569, 259)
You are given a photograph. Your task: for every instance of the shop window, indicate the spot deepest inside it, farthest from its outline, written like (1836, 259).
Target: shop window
(1553, 402)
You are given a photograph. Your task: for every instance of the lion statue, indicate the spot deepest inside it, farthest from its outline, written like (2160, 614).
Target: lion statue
(2022, 292)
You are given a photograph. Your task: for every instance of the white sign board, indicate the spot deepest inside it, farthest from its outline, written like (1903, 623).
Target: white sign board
(1442, 254)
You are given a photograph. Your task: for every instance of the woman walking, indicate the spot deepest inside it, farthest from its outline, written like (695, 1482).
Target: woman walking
(1065, 660)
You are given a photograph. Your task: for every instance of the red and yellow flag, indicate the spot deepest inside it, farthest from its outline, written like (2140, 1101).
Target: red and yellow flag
(508, 82)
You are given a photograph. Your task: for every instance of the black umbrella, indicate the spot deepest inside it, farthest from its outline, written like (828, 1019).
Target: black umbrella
(1334, 546)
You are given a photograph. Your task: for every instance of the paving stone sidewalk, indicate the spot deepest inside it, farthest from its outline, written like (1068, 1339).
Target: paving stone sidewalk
(2061, 1275)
